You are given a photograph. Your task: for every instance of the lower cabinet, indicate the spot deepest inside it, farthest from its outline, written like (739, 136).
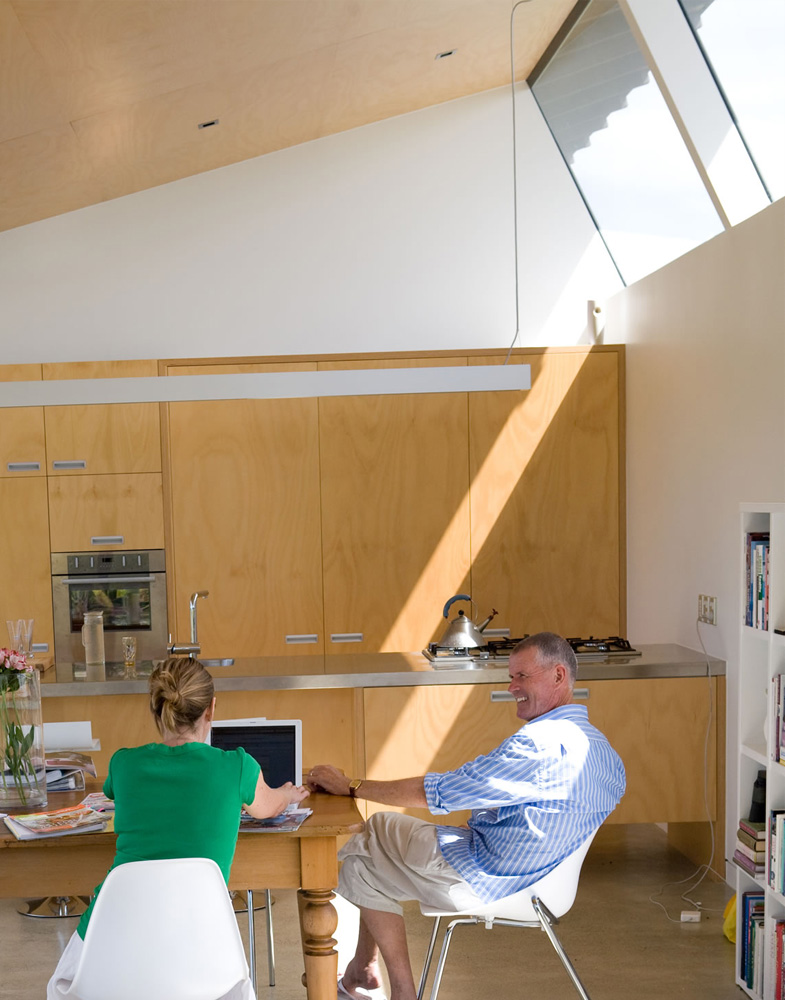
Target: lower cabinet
(330, 718)
(657, 726)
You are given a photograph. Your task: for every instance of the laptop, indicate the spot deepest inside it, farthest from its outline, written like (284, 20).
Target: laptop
(277, 745)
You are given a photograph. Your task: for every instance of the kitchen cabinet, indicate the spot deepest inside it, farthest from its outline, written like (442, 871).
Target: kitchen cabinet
(395, 512)
(22, 442)
(330, 720)
(243, 482)
(658, 726)
(25, 580)
(102, 439)
(547, 514)
(106, 512)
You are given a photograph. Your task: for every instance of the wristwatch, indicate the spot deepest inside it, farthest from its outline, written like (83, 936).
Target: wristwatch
(354, 784)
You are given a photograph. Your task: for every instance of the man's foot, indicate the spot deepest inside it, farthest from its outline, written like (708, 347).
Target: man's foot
(346, 992)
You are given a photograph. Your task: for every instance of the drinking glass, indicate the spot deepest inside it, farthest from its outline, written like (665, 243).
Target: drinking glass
(21, 635)
(129, 655)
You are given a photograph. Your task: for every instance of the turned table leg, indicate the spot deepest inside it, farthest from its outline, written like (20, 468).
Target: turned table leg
(318, 921)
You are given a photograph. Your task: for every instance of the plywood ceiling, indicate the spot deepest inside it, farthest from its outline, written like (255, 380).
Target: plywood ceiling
(101, 98)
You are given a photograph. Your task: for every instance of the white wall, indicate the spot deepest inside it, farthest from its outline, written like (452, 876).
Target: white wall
(395, 236)
(705, 431)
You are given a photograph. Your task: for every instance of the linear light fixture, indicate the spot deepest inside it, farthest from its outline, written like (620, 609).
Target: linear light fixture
(266, 385)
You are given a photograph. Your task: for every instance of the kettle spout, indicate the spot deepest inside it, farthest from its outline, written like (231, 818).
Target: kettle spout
(488, 620)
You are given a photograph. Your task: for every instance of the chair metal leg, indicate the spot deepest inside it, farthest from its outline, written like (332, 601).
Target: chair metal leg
(251, 939)
(437, 979)
(270, 942)
(546, 922)
(428, 957)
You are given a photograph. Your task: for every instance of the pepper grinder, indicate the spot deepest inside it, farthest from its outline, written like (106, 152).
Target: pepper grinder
(758, 804)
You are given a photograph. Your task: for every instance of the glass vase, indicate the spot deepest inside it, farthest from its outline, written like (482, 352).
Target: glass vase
(22, 764)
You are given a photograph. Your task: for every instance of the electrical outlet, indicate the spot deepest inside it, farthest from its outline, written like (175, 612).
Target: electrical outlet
(707, 609)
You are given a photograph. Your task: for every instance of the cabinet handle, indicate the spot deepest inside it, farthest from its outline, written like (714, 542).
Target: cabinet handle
(23, 466)
(107, 540)
(578, 694)
(293, 640)
(115, 581)
(40, 647)
(497, 633)
(73, 464)
(346, 637)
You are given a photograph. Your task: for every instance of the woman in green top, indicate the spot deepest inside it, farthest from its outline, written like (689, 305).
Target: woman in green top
(180, 798)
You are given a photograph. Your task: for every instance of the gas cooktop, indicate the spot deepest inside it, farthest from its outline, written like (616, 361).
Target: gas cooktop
(496, 652)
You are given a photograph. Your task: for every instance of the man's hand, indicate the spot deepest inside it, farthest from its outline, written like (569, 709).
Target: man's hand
(326, 778)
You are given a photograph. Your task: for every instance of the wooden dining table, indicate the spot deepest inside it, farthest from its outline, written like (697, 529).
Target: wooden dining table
(305, 860)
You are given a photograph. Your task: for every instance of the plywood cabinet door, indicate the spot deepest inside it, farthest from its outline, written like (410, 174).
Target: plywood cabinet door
(106, 512)
(102, 439)
(546, 497)
(25, 580)
(395, 513)
(244, 485)
(22, 443)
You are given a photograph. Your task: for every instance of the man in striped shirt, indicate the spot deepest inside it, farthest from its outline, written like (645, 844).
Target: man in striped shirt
(534, 799)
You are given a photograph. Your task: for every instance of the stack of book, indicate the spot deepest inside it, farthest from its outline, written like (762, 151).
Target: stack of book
(779, 960)
(757, 580)
(751, 850)
(56, 823)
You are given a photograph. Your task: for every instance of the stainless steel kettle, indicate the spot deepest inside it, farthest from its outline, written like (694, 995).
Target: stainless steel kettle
(462, 633)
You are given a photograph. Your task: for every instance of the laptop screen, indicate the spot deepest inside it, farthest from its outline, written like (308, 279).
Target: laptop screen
(275, 743)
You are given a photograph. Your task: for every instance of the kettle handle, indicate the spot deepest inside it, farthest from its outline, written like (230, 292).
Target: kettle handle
(452, 600)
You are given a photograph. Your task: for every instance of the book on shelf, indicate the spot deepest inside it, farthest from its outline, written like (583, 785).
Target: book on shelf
(754, 829)
(756, 843)
(775, 848)
(56, 823)
(757, 579)
(757, 855)
(756, 870)
(779, 955)
(751, 941)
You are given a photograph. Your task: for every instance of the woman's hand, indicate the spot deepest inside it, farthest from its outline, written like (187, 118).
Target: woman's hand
(294, 793)
(326, 778)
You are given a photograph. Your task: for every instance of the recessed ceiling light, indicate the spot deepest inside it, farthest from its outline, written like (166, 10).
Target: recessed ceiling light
(208, 124)
(443, 55)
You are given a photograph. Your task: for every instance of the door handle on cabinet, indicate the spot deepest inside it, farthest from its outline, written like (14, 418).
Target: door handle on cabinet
(293, 640)
(107, 540)
(578, 694)
(71, 464)
(23, 466)
(346, 637)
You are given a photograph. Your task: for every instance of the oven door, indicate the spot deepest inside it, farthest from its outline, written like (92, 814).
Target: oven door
(132, 604)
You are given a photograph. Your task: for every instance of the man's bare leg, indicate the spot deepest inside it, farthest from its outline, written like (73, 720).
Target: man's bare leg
(383, 932)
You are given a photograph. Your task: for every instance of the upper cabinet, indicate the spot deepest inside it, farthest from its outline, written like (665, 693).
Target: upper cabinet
(395, 512)
(547, 496)
(243, 479)
(105, 438)
(22, 447)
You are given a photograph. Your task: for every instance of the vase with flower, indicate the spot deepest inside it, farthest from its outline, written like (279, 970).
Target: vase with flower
(22, 765)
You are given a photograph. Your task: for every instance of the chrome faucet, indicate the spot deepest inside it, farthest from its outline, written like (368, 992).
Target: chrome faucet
(192, 648)
(192, 605)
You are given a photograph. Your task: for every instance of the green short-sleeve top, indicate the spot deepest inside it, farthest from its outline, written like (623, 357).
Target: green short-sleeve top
(178, 802)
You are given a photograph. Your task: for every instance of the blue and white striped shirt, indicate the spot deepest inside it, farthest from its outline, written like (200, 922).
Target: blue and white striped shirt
(534, 800)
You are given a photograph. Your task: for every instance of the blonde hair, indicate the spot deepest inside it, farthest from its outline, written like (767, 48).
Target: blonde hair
(180, 691)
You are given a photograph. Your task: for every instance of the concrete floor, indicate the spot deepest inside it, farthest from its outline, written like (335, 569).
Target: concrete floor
(622, 945)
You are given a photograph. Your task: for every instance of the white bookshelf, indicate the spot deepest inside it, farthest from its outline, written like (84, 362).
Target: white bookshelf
(761, 657)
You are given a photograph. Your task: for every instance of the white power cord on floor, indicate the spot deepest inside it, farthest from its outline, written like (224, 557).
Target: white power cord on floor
(703, 870)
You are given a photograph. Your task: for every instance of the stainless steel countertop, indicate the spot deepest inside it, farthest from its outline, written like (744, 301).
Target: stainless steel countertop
(365, 670)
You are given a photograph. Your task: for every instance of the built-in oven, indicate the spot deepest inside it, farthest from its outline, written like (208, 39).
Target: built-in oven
(130, 589)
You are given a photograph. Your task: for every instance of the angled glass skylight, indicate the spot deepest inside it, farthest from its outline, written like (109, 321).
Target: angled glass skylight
(625, 152)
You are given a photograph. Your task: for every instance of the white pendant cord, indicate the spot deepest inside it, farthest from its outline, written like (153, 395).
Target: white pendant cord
(514, 177)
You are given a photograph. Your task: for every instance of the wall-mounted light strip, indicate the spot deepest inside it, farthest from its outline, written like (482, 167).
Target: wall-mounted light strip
(268, 385)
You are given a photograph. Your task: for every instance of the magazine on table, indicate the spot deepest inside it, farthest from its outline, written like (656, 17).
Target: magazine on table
(284, 822)
(67, 761)
(98, 801)
(56, 823)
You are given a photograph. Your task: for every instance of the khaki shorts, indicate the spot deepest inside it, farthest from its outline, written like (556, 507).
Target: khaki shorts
(395, 858)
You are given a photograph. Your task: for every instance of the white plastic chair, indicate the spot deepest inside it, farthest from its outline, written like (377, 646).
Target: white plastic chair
(162, 930)
(539, 905)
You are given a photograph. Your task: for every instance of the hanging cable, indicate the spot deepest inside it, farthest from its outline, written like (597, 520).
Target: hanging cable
(514, 176)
